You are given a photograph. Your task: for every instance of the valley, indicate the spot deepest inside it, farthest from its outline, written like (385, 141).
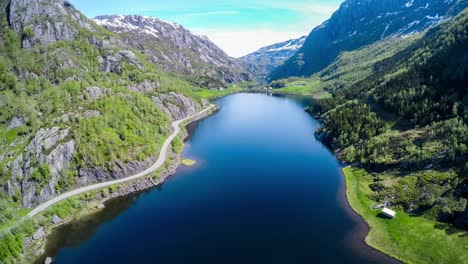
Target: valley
(95, 119)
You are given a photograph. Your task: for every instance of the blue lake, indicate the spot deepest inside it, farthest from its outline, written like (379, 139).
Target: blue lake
(264, 190)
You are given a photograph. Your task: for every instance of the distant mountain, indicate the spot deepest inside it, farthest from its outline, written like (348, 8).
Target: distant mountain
(361, 22)
(176, 49)
(266, 59)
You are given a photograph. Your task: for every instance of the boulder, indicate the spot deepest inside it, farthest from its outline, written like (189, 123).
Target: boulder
(39, 233)
(56, 219)
(94, 93)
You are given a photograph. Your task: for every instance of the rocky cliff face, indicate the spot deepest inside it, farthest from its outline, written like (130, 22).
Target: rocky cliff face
(36, 173)
(176, 49)
(361, 22)
(45, 21)
(262, 62)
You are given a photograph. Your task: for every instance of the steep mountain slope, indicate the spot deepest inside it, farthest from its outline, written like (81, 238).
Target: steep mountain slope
(175, 49)
(406, 123)
(362, 22)
(79, 106)
(262, 62)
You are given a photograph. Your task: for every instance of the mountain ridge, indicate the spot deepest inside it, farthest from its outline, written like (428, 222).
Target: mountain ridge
(263, 61)
(360, 22)
(175, 49)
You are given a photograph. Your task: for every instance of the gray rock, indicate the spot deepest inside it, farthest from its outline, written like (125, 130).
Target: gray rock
(91, 113)
(48, 21)
(10, 189)
(94, 93)
(16, 122)
(113, 63)
(17, 171)
(56, 219)
(144, 87)
(45, 148)
(59, 159)
(45, 139)
(101, 206)
(39, 233)
(48, 260)
(176, 105)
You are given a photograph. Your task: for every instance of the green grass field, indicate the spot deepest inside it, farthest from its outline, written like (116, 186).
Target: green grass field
(213, 94)
(407, 238)
(309, 87)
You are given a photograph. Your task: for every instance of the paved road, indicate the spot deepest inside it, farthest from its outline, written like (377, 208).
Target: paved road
(154, 167)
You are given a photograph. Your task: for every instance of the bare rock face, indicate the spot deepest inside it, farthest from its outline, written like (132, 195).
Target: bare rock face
(176, 105)
(120, 170)
(113, 63)
(48, 147)
(44, 21)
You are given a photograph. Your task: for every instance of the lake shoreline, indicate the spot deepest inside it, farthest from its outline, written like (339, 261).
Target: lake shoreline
(37, 252)
(362, 229)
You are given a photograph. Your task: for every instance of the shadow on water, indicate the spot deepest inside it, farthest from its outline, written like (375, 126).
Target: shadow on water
(73, 234)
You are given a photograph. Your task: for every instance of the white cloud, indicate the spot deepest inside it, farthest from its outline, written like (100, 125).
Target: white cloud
(240, 43)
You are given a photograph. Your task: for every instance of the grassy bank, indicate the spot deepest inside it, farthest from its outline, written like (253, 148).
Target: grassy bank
(409, 239)
(214, 94)
(302, 86)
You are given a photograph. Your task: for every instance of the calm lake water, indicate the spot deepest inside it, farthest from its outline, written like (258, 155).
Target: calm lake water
(264, 190)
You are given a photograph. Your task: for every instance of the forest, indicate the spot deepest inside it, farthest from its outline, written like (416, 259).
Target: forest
(404, 119)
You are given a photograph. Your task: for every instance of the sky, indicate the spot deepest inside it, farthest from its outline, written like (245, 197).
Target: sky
(239, 27)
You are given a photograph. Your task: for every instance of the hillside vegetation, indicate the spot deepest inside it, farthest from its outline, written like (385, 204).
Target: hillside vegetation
(405, 121)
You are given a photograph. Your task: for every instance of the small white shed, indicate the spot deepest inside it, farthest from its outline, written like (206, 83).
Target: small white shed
(389, 213)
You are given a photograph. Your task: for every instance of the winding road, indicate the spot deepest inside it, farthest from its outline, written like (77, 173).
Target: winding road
(154, 167)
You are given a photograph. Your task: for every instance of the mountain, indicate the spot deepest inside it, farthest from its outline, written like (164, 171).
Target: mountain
(265, 60)
(405, 121)
(361, 22)
(176, 49)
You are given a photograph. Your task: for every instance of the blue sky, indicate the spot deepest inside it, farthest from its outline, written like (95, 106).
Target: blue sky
(237, 26)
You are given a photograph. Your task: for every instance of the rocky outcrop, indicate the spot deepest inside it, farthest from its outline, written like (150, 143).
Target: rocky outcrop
(95, 93)
(113, 63)
(16, 122)
(145, 86)
(176, 105)
(40, 233)
(51, 147)
(44, 21)
(95, 174)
